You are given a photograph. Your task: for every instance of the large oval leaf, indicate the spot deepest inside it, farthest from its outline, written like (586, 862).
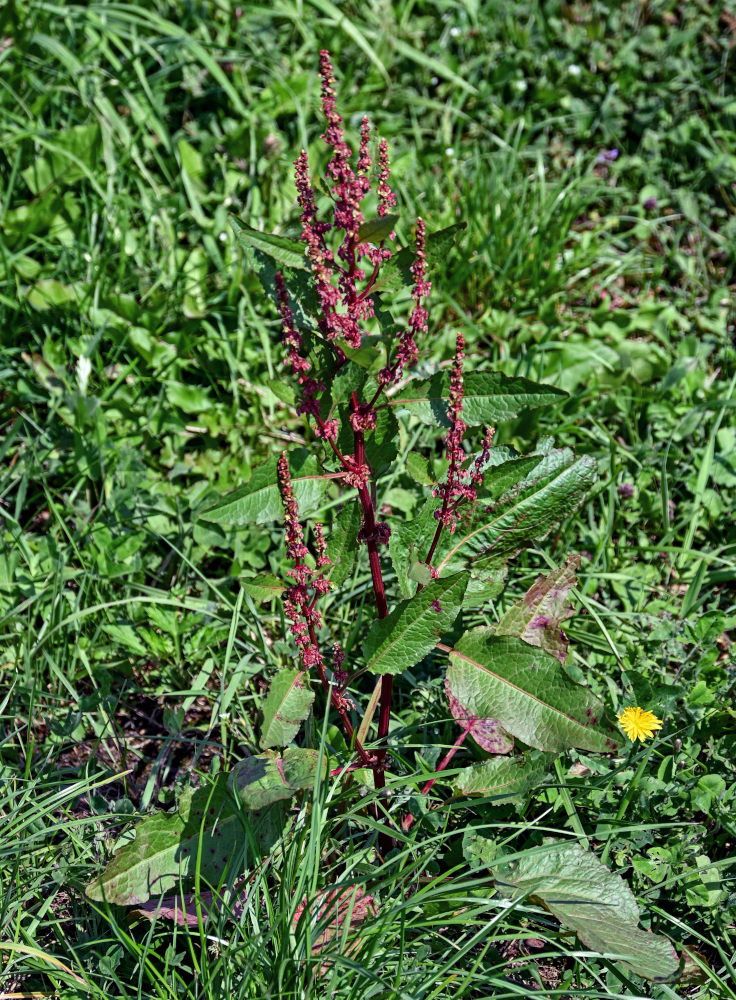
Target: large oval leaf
(537, 617)
(503, 779)
(528, 692)
(206, 825)
(487, 733)
(596, 903)
(414, 627)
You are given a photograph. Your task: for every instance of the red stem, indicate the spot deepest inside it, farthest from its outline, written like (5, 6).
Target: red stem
(409, 818)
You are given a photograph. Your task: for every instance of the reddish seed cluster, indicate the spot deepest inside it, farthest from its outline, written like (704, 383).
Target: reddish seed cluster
(461, 483)
(300, 599)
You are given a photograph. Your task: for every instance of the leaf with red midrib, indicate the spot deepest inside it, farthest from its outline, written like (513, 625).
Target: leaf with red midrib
(487, 733)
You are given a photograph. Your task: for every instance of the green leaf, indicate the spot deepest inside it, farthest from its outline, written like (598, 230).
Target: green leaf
(488, 733)
(167, 845)
(419, 469)
(377, 230)
(409, 543)
(497, 531)
(414, 627)
(263, 587)
(594, 902)
(342, 543)
(537, 617)
(73, 154)
(259, 500)
(285, 251)
(489, 398)
(528, 692)
(266, 254)
(286, 706)
(395, 273)
(270, 777)
(503, 779)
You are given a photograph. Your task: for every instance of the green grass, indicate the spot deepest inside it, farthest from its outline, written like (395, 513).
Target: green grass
(136, 361)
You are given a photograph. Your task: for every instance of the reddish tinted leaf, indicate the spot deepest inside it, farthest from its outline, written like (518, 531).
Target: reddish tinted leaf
(537, 617)
(331, 909)
(487, 733)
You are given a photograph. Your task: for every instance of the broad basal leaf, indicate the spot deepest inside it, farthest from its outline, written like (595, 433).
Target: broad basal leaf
(528, 692)
(286, 706)
(537, 617)
(594, 902)
(487, 733)
(489, 398)
(270, 777)
(259, 500)
(414, 627)
(503, 779)
(167, 845)
(495, 532)
(181, 907)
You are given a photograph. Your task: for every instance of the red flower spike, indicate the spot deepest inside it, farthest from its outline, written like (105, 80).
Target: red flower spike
(386, 197)
(418, 321)
(295, 547)
(454, 488)
(321, 545)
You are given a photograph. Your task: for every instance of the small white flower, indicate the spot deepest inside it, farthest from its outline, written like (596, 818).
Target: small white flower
(449, 151)
(84, 367)
(574, 70)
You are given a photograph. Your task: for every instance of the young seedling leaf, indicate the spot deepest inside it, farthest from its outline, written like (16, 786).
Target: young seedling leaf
(528, 692)
(266, 254)
(286, 706)
(594, 902)
(342, 544)
(378, 229)
(414, 627)
(285, 251)
(537, 617)
(259, 500)
(489, 398)
(271, 777)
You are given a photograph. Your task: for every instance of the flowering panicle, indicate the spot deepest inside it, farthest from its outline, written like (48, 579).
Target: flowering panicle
(386, 197)
(455, 487)
(299, 605)
(476, 476)
(291, 338)
(418, 320)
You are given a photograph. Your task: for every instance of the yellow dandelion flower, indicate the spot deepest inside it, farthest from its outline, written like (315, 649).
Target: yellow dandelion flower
(638, 724)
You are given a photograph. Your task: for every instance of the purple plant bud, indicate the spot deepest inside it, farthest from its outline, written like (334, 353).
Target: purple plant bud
(626, 491)
(608, 156)
(650, 204)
